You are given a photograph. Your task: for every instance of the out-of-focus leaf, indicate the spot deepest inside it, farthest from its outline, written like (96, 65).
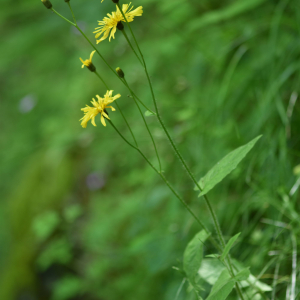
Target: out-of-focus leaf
(44, 224)
(72, 212)
(224, 14)
(211, 269)
(242, 275)
(222, 287)
(68, 287)
(193, 254)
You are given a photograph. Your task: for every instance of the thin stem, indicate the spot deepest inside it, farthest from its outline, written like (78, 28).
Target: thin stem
(169, 185)
(118, 4)
(95, 49)
(72, 13)
(150, 134)
(156, 108)
(138, 99)
(213, 215)
(106, 86)
(82, 33)
(129, 43)
(62, 17)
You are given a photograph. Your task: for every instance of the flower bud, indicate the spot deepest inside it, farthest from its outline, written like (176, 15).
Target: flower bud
(47, 3)
(120, 72)
(120, 25)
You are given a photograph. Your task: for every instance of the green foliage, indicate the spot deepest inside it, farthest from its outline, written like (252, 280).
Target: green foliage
(222, 287)
(223, 72)
(193, 255)
(224, 167)
(44, 225)
(225, 283)
(229, 246)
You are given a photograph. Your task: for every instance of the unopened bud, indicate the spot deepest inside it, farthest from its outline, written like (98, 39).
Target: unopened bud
(115, 1)
(120, 72)
(47, 3)
(91, 67)
(120, 25)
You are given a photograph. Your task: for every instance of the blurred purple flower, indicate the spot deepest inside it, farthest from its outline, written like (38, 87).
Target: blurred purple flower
(95, 181)
(27, 103)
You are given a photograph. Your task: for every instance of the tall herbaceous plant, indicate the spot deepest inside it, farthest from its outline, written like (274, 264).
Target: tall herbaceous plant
(231, 274)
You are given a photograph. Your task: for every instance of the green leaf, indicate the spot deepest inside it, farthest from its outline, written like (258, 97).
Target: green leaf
(192, 256)
(225, 284)
(216, 255)
(222, 287)
(242, 275)
(228, 246)
(225, 166)
(45, 224)
(149, 113)
(230, 11)
(211, 269)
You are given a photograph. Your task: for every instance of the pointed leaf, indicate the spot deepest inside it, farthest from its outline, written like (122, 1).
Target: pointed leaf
(225, 166)
(193, 254)
(228, 246)
(242, 275)
(222, 287)
(216, 255)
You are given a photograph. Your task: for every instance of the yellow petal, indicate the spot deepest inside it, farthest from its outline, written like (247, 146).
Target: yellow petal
(92, 53)
(93, 121)
(116, 96)
(103, 121)
(137, 12)
(105, 115)
(125, 7)
(112, 33)
(105, 35)
(112, 108)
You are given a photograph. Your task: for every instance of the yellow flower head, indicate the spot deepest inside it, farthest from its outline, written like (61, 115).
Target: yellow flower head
(109, 24)
(98, 107)
(88, 62)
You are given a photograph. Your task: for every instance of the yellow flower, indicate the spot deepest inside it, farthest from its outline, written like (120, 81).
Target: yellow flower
(109, 24)
(98, 107)
(88, 62)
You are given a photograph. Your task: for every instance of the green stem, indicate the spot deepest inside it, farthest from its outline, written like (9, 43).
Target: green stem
(150, 134)
(106, 86)
(141, 102)
(62, 17)
(154, 100)
(72, 13)
(213, 215)
(163, 177)
(129, 43)
(87, 39)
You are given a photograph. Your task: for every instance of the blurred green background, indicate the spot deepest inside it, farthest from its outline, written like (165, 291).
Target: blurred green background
(82, 215)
